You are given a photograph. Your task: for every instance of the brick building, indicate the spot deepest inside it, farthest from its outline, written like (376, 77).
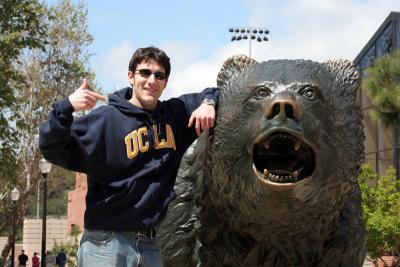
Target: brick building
(76, 202)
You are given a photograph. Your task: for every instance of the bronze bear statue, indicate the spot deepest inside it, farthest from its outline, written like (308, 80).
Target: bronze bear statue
(275, 182)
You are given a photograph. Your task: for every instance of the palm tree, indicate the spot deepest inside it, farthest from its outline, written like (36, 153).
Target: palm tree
(382, 84)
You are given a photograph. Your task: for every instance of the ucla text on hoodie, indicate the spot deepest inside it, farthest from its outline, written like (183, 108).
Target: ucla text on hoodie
(137, 140)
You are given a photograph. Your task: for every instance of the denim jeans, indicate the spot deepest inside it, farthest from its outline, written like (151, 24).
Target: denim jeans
(118, 249)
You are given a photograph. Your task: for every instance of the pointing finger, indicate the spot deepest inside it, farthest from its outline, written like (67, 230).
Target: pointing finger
(97, 96)
(101, 97)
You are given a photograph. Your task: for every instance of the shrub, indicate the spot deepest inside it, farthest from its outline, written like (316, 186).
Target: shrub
(381, 212)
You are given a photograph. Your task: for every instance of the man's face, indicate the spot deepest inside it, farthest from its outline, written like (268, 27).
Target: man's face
(147, 89)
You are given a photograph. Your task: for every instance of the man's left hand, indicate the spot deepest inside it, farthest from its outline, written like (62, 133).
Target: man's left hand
(203, 118)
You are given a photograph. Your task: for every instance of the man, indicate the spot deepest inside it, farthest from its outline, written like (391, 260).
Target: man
(22, 259)
(61, 259)
(130, 150)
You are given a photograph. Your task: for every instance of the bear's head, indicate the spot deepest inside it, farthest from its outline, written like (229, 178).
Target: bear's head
(289, 137)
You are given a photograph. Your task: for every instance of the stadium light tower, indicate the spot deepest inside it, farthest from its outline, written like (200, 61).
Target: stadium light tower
(250, 33)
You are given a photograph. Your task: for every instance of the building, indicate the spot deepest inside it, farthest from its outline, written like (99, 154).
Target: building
(382, 144)
(56, 233)
(76, 202)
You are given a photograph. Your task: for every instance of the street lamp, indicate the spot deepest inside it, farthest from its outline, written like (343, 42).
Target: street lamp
(14, 198)
(45, 168)
(250, 33)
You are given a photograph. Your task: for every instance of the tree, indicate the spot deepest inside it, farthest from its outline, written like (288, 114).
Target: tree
(382, 84)
(21, 27)
(381, 212)
(50, 73)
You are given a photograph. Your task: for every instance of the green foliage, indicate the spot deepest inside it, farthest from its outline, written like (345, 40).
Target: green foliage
(21, 27)
(75, 231)
(381, 211)
(382, 84)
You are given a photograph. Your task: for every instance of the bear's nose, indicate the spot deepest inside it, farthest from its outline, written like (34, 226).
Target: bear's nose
(284, 108)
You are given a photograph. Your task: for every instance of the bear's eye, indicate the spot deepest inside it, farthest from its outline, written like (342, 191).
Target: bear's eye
(310, 92)
(262, 92)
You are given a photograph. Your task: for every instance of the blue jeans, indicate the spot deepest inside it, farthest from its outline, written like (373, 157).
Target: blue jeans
(118, 249)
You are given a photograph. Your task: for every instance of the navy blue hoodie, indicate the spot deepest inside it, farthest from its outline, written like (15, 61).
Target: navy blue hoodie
(130, 155)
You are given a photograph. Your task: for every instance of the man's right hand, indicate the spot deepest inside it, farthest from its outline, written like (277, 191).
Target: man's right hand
(83, 98)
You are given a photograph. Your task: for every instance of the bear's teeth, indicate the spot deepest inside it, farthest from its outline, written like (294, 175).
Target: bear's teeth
(280, 178)
(266, 173)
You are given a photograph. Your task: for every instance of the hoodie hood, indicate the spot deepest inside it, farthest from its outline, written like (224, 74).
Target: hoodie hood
(120, 100)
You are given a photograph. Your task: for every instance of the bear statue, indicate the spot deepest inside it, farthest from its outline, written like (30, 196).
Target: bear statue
(275, 182)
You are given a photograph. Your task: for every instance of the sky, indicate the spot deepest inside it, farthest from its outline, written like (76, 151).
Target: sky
(195, 34)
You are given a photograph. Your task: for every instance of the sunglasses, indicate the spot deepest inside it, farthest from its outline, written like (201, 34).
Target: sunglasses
(146, 73)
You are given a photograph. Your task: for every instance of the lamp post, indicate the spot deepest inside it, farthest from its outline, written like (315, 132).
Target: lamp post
(45, 168)
(250, 33)
(14, 198)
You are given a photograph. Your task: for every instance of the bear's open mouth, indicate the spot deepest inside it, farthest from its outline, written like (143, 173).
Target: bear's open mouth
(283, 158)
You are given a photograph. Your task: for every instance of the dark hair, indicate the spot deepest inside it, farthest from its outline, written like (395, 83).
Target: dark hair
(151, 52)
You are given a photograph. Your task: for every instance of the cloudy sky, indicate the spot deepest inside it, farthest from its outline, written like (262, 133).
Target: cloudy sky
(194, 33)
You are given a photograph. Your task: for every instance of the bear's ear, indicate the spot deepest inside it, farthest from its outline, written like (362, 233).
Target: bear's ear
(232, 67)
(345, 76)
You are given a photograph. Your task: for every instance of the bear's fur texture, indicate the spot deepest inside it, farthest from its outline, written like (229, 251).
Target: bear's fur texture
(275, 182)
